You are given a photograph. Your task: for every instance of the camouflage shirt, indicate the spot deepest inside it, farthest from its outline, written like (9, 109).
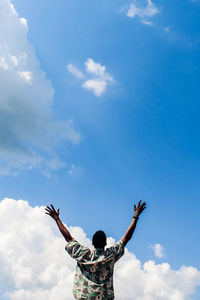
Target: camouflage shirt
(94, 271)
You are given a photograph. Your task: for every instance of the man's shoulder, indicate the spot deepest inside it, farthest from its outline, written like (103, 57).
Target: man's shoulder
(119, 244)
(76, 250)
(117, 250)
(72, 243)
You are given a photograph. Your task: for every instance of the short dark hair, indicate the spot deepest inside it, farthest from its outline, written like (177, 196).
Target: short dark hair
(99, 239)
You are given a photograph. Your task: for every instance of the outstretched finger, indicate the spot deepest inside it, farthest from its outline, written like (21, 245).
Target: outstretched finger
(134, 207)
(58, 211)
(143, 208)
(53, 207)
(143, 205)
(48, 207)
(139, 203)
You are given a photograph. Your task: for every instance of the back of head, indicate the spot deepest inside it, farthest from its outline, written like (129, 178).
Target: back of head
(99, 239)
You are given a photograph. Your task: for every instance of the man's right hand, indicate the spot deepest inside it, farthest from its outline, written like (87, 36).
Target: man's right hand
(52, 212)
(55, 215)
(139, 208)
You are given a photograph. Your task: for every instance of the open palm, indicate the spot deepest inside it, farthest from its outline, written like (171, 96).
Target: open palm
(52, 212)
(139, 208)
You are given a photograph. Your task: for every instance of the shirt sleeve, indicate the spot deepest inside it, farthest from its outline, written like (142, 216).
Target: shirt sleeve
(118, 249)
(80, 253)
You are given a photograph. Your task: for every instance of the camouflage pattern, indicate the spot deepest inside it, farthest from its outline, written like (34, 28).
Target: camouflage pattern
(94, 271)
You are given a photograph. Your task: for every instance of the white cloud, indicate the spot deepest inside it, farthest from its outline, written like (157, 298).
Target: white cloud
(98, 87)
(158, 250)
(26, 75)
(100, 78)
(143, 13)
(97, 70)
(75, 71)
(24, 22)
(148, 23)
(34, 264)
(29, 135)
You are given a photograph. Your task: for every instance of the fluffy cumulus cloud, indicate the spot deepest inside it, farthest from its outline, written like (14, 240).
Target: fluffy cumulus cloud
(28, 131)
(95, 78)
(34, 264)
(75, 71)
(158, 250)
(143, 12)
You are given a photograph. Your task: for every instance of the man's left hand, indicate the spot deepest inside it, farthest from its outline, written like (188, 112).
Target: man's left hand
(52, 212)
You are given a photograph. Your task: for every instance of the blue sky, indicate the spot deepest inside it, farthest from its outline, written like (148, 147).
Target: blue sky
(138, 139)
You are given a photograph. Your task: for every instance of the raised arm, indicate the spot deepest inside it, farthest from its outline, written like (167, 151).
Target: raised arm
(55, 215)
(129, 233)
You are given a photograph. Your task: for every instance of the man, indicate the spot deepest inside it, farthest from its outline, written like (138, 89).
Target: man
(94, 271)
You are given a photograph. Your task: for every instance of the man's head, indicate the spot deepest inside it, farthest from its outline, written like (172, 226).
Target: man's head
(99, 239)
